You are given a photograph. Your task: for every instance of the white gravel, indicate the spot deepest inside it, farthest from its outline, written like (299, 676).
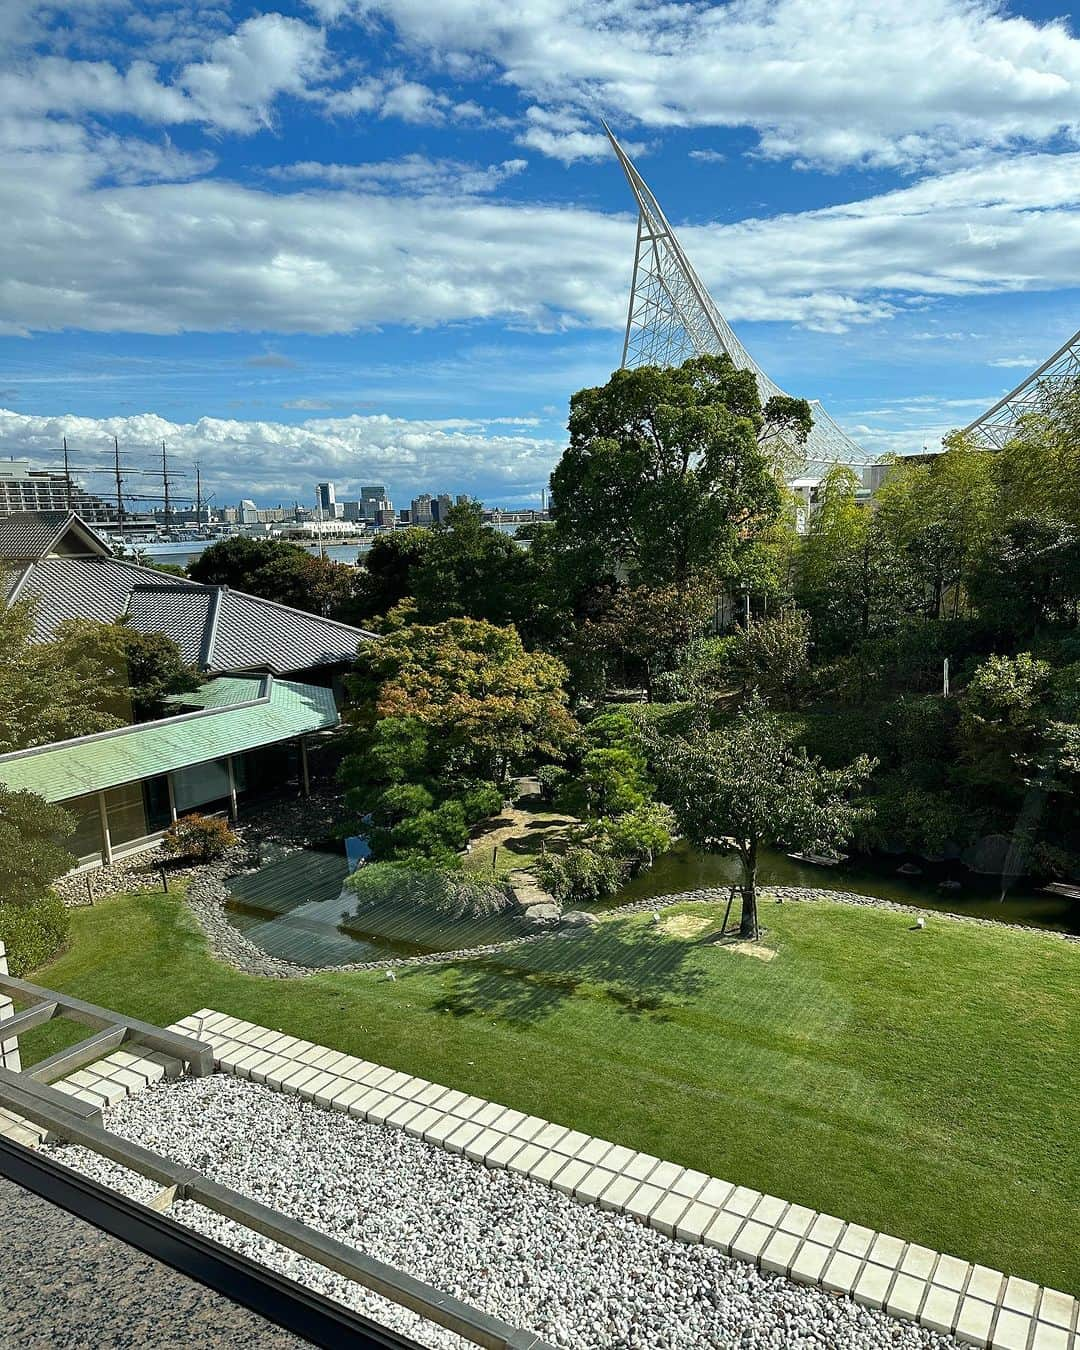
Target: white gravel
(578, 1276)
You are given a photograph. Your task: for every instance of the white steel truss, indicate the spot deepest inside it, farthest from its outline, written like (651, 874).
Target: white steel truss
(1000, 423)
(672, 317)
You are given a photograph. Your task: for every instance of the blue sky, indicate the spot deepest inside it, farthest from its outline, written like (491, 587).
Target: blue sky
(384, 242)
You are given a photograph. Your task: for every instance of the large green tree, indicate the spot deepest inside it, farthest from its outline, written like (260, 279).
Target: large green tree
(276, 570)
(141, 669)
(470, 570)
(32, 854)
(745, 781)
(669, 471)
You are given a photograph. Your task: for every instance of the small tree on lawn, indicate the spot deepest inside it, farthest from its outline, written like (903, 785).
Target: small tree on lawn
(32, 853)
(745, 781)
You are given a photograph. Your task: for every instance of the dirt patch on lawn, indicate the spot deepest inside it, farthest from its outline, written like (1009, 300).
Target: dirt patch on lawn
(754, 949)
(684, 925)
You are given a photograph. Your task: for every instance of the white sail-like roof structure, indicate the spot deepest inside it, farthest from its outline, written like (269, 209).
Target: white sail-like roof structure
(673, 317)
(1001, 422)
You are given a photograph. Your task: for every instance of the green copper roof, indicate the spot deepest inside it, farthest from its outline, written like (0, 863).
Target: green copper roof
(223, 692)
(275, 710)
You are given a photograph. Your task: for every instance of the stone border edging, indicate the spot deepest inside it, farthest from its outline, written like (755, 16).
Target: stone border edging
(980, 1306)
(230, 945)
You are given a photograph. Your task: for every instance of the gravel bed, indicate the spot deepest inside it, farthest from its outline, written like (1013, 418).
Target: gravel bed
(578, 1276)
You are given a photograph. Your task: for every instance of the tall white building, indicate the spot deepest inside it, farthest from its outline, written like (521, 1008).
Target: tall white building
(25, 489)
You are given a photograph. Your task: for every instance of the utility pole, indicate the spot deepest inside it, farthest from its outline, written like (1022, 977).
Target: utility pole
(119, 487)
(165, 482)
(198, 497)
(67, 476)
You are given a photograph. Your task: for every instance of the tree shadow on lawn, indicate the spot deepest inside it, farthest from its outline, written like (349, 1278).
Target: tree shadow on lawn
(621, 965)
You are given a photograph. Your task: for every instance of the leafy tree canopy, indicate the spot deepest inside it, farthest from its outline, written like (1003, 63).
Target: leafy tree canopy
(32, 855)
(141, 669)
(666, 473)
(277, 570)
(745, 781)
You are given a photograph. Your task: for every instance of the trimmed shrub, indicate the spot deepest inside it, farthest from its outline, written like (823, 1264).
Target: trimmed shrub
(581, 874)
(33, 933)
(481, 801)
(552, 779)
(416, 884)
(204, 838)
(638, 836)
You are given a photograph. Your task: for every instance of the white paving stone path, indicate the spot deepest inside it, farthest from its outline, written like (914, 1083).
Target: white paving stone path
(979, 1306)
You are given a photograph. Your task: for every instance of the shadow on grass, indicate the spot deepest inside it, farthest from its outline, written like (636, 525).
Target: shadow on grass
(624, 965)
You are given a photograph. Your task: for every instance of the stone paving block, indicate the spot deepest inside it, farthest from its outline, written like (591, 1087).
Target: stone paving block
(973, 1321)
(549, 1136)
(508, 1121)
(779, 1252)
(413, 1089)
(292, 1081)
(826, 1229)
(1057, 1308)
(809, 1262)
(666, 1215)
(376, 1077)
(872, 1286)
(918, 1261)
(320, 1083)
(329, 1089)
(573, 1169)
(617, 1157)
(665, 1174)
(769, 1210)
(906, 1296)
(985, 1283)
(271, 1070)
(548, 1166)
(1049, 1337)
(345, 1098)
(951, 1273)
(488, 1114)
(940, 1309)
(856, 1240)
(382, 1106)
(529, 1127)
(750, 1241)
(595, 1152)
(407, 1111)
(502, 1153)
(594, 1183)
(644, 1200)
(723, 1230)
(397, 1081)
(886, 1250)
(422, 1122)
(571, 1141)
(465, 1133)
(1012, 1330)
(641, 1165)
(741, 1200)
(482, 1145)
(715, 1192)
(1020, 1295)
(691, 1227)
(842, 1273)
(617, 1192)
(689, 1183)
(525, 1158)
(321, 1060)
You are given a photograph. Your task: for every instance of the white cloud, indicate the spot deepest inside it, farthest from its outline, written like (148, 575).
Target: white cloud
(1018, 362)
(896, 82)
(234, 88)
(411, 173)
(217, 256)
(277, 461)
(708, 156)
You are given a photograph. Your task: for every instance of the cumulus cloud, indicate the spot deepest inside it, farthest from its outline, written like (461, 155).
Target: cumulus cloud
(233, 88)
(214, 255)
(278, 461)
(833, 82)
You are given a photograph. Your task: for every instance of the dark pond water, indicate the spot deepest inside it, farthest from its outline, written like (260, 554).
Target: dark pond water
(294, 908)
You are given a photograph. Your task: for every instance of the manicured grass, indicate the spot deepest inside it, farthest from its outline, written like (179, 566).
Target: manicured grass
(517, 845)
(924, 1083)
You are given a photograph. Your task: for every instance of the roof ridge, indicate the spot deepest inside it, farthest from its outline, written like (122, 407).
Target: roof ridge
(210, 630)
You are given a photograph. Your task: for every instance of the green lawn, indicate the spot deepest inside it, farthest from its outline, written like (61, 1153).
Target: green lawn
(922, 1083)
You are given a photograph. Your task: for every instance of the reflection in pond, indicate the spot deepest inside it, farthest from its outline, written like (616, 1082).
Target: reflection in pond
(295, 908)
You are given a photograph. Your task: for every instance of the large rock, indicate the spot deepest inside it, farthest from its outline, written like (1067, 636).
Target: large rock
(526, 891)
(579, 918)
(543, 913)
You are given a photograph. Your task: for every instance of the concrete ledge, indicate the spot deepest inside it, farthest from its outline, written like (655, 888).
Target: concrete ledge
(981, 1307)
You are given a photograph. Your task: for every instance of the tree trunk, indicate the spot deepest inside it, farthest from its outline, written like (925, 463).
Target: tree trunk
(748, 925)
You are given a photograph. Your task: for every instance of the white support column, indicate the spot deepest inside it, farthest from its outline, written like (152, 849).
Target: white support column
(172, 797)
(106, 837)
(232, 787)
(305, 775)
(9, 1050)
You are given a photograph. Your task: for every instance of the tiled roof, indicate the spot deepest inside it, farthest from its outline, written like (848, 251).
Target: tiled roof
(214, 627)
(277, 710)
(25, 535)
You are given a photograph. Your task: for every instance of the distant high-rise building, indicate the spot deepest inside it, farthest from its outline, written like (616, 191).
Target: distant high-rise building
(372, 495)
(404, 516)
(352, 510)
(420, 511)
(385, 516)
(25, 489)
(463, 499)
(324, 495)
(247, 513)
(439, 508)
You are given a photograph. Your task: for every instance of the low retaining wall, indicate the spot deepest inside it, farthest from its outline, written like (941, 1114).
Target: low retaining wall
(980, 1306)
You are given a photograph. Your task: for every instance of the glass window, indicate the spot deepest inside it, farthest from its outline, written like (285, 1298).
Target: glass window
(127, 814)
